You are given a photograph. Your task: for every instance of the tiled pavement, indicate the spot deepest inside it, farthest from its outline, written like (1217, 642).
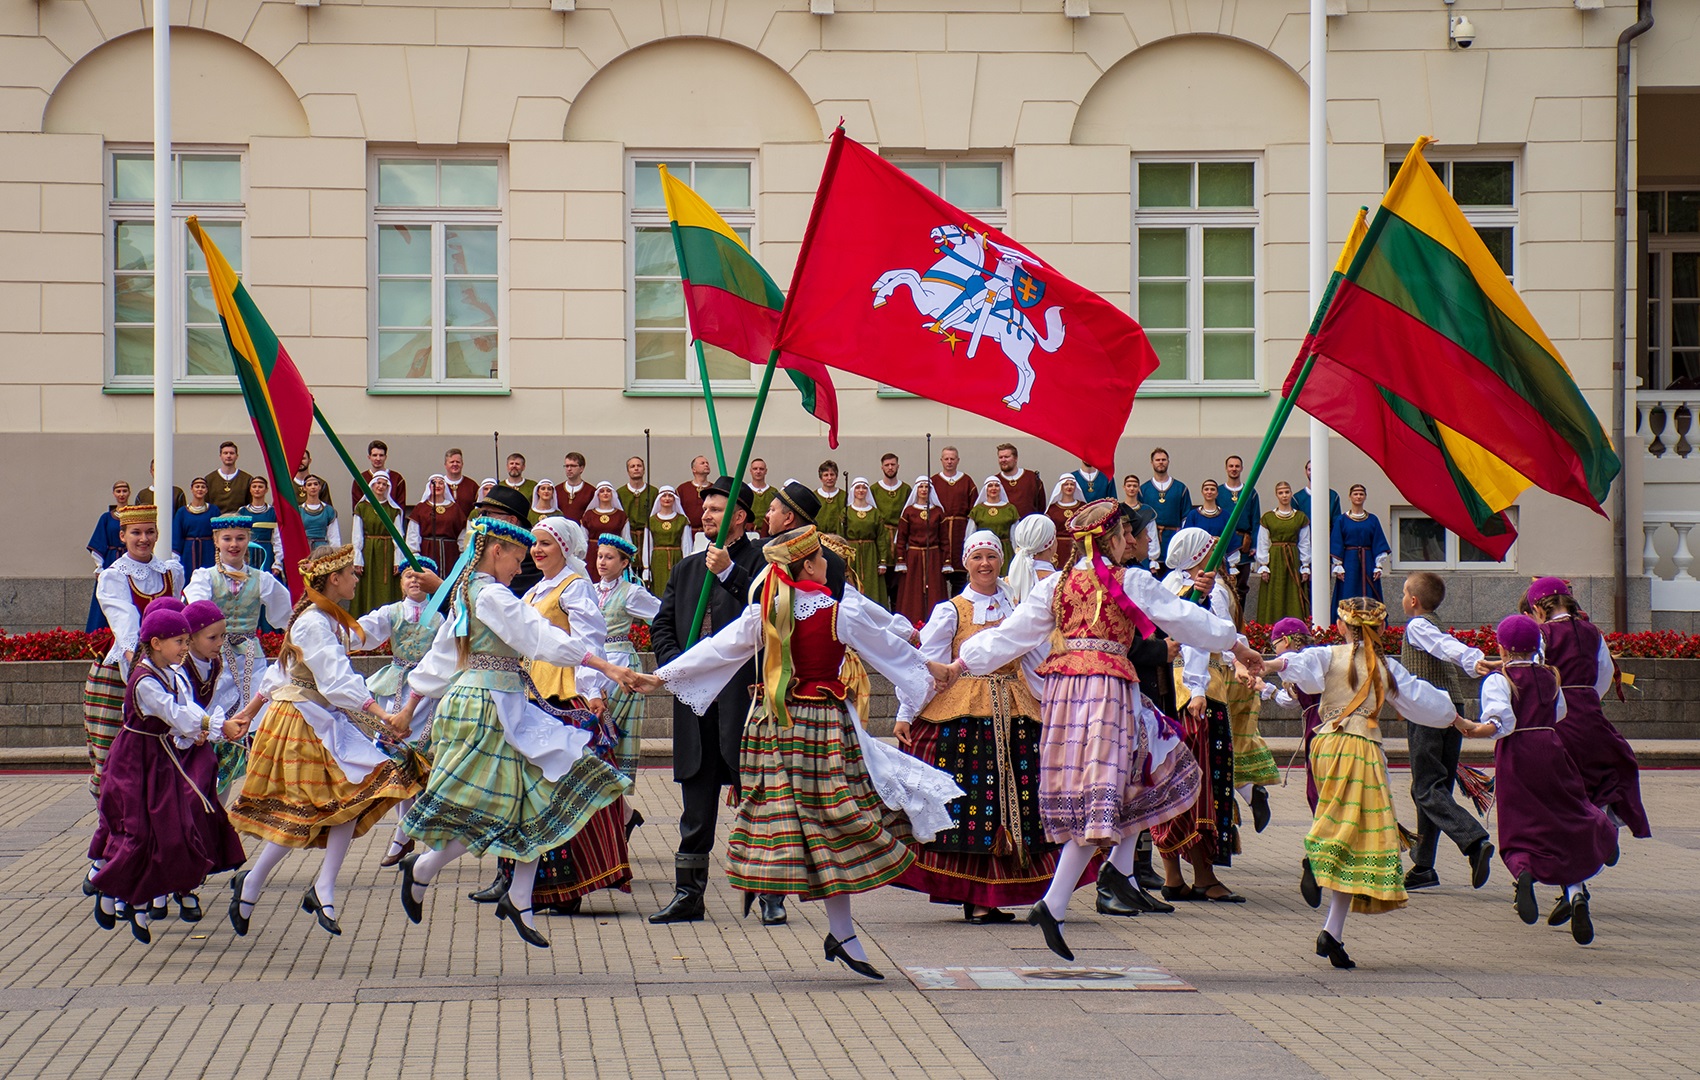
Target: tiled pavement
(1452, 986)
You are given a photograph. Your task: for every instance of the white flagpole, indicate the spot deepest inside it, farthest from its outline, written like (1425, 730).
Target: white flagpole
(164, 276)
(1322, 580)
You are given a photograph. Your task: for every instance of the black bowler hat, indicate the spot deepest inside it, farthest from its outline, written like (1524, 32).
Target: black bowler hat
(502, 499)
(801, 500)
(723, 487)
(1141, 516)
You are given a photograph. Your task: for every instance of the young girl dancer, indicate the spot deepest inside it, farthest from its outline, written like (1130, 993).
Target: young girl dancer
(1353, 845)
(317, 776)
(509, 779)
(1548, 830)
(624, 601)
(1291, 635)
(409, 629)
(810, 821)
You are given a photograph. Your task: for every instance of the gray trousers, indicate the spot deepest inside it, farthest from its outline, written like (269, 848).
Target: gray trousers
(1434, 768)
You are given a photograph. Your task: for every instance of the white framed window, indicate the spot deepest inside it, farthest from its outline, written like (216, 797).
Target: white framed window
(209, 184)
(1670, 353)
(659, 354)
(1484, 185)
(1422, 543)
(976, 185)
(438, 255)
(1196, 260)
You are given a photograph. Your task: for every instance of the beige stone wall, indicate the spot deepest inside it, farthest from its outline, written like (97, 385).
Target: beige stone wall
(312, 92)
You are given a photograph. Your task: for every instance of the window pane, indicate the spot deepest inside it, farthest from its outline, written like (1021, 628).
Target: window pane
(209, 352)
(1171, 355)
(470, 302)
(1228, 304)
(404, 355)
(132, 351)
(659, 303)
(1682, 209)
(1421, 539)
(469, 249)
(404, 249)
(1224, 183)
(404, 303)
(470, 356)
(1162, 303)
(1684, 325)
(211, 179)
(1470, 553)
(226, 234)
(654, 255)
(1162, 252)
(1229, 356)
(1652, 203)
(722, 365)
(1498, 243)
(468, 183)
(647, 189)
(725, 185)
(407, 183)
(1165, 183)
(927, 175)
(132, 298)
(132, 177)
(1482, 183)
(198, 303)
(974, 185)
(1229, 253)
(132, 245)
(660, 354)
(1684, 279)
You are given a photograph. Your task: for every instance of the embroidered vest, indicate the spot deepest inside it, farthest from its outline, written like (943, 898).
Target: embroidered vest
(484, 641)
(1002, 693)
(615, 615)
(1337, 693)
(241, 607)
(553, 680)
(1095, 632)
(1432, 669)
(409, 642)
(141, 599)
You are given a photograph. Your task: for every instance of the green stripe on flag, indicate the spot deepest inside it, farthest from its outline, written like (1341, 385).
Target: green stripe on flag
(713, 260)
(1489, 522)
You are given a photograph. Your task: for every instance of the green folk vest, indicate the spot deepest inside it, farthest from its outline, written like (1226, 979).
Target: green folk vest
(241, 609)
(1431, 669)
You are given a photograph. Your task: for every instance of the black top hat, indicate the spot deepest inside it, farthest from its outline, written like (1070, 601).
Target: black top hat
(801, 500)
(723, 487)
(502, 499)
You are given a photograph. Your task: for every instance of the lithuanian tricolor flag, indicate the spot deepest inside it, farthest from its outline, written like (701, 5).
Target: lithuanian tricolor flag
(730, 301)
(1425, 314)
(279, 403)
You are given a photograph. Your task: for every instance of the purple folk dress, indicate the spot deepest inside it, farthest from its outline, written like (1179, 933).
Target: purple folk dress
(1603, 756)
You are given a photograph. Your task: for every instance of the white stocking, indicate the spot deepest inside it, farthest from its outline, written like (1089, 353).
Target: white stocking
(1121, 856)
(264, 864)
(519, 892)
(1339, 904)
(337, 840)
(1571, 892)
(429, 864)
(1070, 865)
(1244, 792)
(401, 810)
(842, 927)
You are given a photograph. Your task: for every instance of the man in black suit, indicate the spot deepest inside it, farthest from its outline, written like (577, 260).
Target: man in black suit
(705, 748)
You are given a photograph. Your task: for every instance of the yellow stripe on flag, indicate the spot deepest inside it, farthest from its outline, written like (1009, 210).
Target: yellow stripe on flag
(224, 285)
(687, 209)
(1354, 240)
(1496, 482)
(1418, 196)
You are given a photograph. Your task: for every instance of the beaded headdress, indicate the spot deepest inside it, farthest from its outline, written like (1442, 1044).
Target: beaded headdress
(328, 563)
(496, 529)
(618, 543)
(232, 521)
(145, 514)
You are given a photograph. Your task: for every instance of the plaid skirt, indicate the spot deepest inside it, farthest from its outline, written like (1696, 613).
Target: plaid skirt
(810, 821)
(294, 791)
(485, 794)
(595, 858)
(103, 715)
(1353, 844)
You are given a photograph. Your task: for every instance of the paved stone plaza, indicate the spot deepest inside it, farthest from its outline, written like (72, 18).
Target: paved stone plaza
(1452, 986)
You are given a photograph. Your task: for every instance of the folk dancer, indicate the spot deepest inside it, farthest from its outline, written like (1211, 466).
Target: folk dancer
(1169, 498)
(667, 538)
(955, 493)
(409, 628)
(1065, 503)
(993, 512)
(377, 558)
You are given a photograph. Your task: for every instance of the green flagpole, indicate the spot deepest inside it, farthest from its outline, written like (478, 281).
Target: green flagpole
(708, 580)
(389, 523)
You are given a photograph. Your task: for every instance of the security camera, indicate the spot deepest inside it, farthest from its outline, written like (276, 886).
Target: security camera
(1463, 31)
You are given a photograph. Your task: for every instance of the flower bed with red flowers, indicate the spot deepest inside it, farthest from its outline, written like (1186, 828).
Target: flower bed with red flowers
(81, 645)
(1645, 644)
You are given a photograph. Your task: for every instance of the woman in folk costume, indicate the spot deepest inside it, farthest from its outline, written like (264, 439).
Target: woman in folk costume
(106, 544)
(485, 487)
(377, 560)
(920, 559)
(826, 809)
(1549, 830)
(509, 779)
(605, 515)
(1109, 767)
(317, 776)
(266, 544)
(1034, 544)
(192, 529)
(247, 597)
(871, 550)
(543, 501)
(984, 731)
(1360, 550)
(162, 829)
(1578, 650)
(993, 512)
(410, 629)
(624, 601)
(1205, 835)
(317, 515)
(1352, 849)
(1065, 503)
(1283, 560)
(666, 539)
(435, 523)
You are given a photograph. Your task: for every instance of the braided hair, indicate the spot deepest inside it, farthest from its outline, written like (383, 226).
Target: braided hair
(289, 653)
(458, 595)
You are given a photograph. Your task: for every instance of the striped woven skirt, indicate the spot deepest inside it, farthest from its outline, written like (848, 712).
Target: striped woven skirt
(1353, 844)
(1254, 762)
(627, 709)
(103, 715)
(595, 858)
(1205, 831)
(810, 822)
(294, 791)
(484, 793)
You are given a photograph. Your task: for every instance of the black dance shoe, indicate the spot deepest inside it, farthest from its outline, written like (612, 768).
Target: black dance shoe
(310, 903)
(1421, 877)
(238, 921)
(1560, 911)
(1327, 945)
(138, 928)
(565, 907)
(159, 911)
(505, 910)
(1308, 888)
(989, 917)
(1148, 877)
(88, 882)
(1259, 807)
(104, 919)
(396, 853)
(1528, 909)
(497, 890)
(1581, 922)
(686, 906)
(835, 951)
(772, 909)
(414, 908)
(1041, 917)
(632, 824)
(1481, 863)
(189, 908)
(1117, 895)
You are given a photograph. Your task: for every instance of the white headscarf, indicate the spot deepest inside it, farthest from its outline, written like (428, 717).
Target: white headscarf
(1057, 490)
(981, 540)
(932, 496)
(1188, 548)
(448, 490)
(613, 495)
(553, 506)
(486, 486)
(1003, 493)
(1031, 535)
(863, 481)
(389, 493)
(665, 489)
(571, 536)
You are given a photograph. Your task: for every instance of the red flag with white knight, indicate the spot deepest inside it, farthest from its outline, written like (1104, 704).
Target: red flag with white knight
(897, 285)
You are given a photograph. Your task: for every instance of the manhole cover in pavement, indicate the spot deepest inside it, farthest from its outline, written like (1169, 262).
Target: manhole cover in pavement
(1044, 978)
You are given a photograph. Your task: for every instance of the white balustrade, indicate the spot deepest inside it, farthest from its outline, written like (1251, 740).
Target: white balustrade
(1665, 423)
(1680, 590)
